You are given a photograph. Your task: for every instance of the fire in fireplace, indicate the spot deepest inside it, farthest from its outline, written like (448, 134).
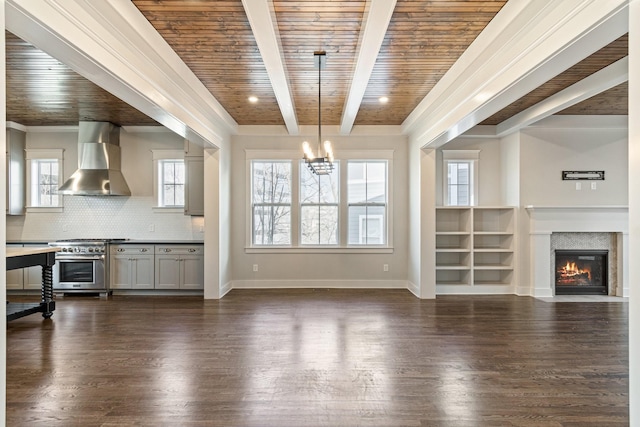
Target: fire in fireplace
(581, 272)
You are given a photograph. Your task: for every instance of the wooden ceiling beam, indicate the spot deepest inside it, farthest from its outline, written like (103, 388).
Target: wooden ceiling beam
(375, 23)
(265, 31)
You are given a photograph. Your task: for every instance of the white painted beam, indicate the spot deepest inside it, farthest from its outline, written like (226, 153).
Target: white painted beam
(265, 31)
(112, 44)
(526, 44)
(607, 78)
(374, 27)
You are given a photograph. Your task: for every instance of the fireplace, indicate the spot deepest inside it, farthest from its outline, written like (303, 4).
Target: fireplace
(581, 272)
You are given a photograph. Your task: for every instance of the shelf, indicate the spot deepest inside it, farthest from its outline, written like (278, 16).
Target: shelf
(453, 219)
(475, 249)
(492, 220)
(452, 277)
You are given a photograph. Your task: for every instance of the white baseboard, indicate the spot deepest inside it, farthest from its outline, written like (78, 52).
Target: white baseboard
(413, 288)
(344, 284)
(474, 290)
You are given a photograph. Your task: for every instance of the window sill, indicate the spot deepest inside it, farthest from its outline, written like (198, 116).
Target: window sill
(45, 209)
(323, 250)
(162, 209)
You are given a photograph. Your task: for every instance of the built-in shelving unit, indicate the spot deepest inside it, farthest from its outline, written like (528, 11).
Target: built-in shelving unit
(475, 249)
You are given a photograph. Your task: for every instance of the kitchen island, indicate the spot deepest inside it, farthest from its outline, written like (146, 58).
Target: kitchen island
(27, 257)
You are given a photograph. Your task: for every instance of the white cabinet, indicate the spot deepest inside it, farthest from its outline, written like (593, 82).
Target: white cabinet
(179, 267)
(475, 249)
(132, 267)
(16, 192)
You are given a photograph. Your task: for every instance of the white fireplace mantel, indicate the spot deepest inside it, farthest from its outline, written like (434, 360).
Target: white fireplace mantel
(545, 220)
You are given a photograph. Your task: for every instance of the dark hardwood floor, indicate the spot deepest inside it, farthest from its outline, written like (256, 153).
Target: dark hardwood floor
(320, 358)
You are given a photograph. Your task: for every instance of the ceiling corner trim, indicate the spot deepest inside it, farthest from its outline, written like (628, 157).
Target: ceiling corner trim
(265, 31)
(115, 47)
(372, 33)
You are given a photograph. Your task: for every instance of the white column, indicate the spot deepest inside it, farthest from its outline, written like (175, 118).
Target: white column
(211, 224)
(634, 212)
(428, 224)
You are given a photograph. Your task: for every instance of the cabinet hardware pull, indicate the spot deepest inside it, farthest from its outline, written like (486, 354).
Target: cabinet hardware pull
(192, 250)
(143, 250)
(119, 250)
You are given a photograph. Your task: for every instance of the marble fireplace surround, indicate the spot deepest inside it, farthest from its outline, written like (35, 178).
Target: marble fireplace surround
(546, 220)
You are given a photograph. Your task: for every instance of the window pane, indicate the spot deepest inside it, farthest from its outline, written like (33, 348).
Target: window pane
(179, 192)
(272, 225)
(168, 195)
(319, 225)
(367, 225)
(367, 182)
(271, 182)
(319, 188)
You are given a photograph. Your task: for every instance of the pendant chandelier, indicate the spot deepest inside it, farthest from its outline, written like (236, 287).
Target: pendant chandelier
(322, 162)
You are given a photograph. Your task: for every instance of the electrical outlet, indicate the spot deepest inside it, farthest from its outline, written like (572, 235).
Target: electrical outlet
(593, 186)
(578, 186)
(385, 267)
(65, 227)
(152, 228)
(255, 267)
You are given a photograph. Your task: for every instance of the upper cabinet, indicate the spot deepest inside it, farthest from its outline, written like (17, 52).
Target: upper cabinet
(16, 140)
(194, 179)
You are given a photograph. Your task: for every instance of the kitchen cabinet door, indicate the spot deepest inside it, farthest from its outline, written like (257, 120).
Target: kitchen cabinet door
(167, 272)
(120, 274)
(142, 272)
(192, 272)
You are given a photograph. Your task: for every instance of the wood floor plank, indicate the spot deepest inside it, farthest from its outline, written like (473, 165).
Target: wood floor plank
(320, 358)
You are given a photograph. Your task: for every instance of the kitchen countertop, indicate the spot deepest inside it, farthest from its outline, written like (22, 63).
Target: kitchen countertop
(14, 252)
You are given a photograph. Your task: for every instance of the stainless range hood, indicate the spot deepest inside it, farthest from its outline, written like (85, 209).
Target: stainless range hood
(98, 171)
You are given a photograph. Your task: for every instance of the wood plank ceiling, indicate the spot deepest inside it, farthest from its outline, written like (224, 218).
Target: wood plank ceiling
(215, 39)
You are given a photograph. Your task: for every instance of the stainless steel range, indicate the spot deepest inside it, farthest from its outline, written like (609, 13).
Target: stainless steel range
(82, 265)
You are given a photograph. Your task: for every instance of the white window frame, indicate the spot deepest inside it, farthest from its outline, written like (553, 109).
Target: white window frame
(252, 206)
(301, 205)
(158, 156)
(385, 229)
(32, 156)
(295, 247)
(471, 157)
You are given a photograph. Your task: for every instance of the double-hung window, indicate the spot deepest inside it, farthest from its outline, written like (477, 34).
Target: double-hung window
(367, 202)
(271, 202)
(44, 177)
(319, 206)
(171, 182)
(460, 169)
(169, 175)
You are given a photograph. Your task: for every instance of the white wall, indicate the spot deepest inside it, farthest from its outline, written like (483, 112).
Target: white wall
(572, 143)
(108, 217)
(489, 169)
(318, 269)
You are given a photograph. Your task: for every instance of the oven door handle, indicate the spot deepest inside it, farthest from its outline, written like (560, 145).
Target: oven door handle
(84, 258)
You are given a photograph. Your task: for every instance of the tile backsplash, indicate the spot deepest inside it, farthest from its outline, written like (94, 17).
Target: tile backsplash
(105, 217)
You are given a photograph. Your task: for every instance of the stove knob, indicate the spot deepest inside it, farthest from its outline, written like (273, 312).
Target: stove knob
(90, 249)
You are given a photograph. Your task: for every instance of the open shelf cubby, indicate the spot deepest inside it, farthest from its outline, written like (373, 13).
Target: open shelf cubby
(475, 249)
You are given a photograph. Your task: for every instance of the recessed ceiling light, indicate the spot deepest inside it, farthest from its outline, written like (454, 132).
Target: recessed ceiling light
(253, 99)
(383, 100)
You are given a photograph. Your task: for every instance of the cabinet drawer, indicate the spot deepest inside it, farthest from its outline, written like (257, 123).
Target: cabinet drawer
(131, 250)
(179, 250)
